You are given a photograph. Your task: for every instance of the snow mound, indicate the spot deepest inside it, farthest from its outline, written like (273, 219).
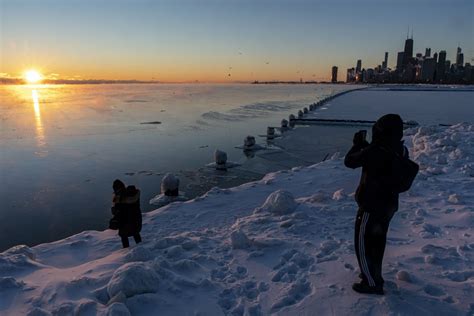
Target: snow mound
(133, 278)
(280, 202)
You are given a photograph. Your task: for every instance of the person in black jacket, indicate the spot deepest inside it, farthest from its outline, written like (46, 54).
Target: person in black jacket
(126, 208)
(376, 199)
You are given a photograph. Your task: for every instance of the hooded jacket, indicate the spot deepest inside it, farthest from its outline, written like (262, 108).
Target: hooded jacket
(127, 210)
(374, 193)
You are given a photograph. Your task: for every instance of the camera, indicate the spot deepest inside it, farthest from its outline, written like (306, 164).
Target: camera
(360, 137)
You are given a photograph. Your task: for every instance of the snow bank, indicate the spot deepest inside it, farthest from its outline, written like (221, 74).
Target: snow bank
(281, 245)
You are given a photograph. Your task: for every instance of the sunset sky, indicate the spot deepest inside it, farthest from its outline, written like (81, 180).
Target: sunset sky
(208, 40)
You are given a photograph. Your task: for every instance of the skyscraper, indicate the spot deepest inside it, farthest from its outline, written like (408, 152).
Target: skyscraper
(441, 68)
(442, 57)
(359, 66)
(400, 57)
(385, 61)
(334, 74)
(408, 51)
(459, 57)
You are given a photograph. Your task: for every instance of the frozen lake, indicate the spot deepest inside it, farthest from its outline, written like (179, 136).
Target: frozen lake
(62, 146)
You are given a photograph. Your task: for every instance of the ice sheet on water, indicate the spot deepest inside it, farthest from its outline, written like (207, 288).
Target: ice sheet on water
(248, 111)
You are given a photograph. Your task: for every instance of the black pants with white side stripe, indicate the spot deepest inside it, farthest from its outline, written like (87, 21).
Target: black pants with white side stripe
(369, 240)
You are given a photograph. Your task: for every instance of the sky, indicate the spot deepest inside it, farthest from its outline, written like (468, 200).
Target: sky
(222, 41)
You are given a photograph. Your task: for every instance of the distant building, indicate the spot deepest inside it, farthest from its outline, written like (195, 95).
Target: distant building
(369, 75)
(351, 76)
(441, 67)
(468, 73)
(459, 57)
(428, 70)
(385, 61)
(334, 74)
(435, 57)
(359, 66)
(400, 57)
(427, 52)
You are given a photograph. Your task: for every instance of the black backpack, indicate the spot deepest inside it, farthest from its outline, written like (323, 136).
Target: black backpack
(403, 171)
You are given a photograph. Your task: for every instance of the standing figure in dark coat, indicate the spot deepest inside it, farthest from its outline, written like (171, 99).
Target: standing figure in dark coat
(126, 208)
(376, 199)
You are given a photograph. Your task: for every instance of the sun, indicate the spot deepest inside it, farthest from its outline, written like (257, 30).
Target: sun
(33, 76)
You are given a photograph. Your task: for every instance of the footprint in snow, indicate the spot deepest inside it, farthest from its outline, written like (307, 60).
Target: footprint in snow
(327, 250)
(292, 295)
(433, 290)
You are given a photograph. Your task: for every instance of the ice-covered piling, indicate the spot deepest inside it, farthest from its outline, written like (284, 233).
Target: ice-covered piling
(284, 125)
(170, 185)
(270, 132)
(305, 110)
(169, 191)
(220, 157)
(249, 142)
(300, 114)
(292, 117)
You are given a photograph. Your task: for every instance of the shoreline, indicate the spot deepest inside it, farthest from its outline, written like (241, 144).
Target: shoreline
(157, 151)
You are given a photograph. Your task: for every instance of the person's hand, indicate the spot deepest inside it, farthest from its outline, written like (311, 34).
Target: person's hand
(359, 137)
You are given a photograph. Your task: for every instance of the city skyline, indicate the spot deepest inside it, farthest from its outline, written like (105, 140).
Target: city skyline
(220, 42)
(413, 67)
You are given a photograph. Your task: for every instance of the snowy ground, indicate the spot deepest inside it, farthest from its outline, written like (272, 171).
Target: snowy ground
(281, 245)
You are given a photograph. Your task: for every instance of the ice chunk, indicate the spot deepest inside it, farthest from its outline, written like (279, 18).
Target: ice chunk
(162, 200)
(339, 195)
(404, 276)
(454, 198)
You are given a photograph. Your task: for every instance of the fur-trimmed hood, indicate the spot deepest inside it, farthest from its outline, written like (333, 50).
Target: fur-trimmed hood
(130, 195)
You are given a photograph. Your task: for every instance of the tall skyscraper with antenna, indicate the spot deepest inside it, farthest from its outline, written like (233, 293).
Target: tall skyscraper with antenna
(408, 51)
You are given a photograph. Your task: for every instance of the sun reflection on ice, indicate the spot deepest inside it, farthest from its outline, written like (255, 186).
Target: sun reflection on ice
(40, 137)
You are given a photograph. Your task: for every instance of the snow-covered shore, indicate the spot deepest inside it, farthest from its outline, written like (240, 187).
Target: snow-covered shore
(280, 245)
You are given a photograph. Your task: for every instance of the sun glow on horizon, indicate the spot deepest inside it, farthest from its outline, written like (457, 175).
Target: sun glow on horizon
(32, 76)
